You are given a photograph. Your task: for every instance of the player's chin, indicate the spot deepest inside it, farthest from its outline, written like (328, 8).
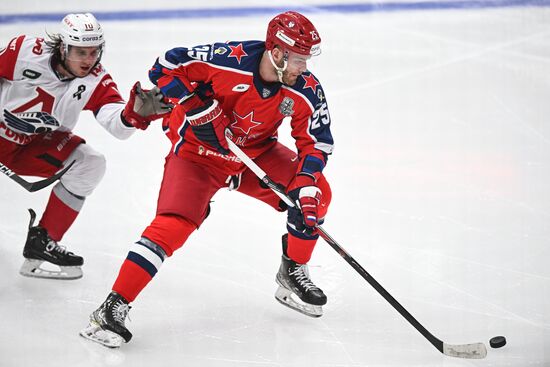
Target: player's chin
(83, 71)
(290, 80)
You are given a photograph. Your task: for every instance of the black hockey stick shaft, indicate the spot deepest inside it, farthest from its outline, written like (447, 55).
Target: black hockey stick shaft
(381, 290)
(343, 253)
(33, 186)
(365, 274)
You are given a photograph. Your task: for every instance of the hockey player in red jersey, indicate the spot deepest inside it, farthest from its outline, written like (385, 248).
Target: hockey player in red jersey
(247, 87)
(44, 85)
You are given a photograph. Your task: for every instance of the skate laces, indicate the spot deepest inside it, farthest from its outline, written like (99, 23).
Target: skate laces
(120, 311)
(54, 246)
(301, 275)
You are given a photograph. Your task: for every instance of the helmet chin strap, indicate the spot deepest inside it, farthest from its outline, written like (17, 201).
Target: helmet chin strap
(278, 69)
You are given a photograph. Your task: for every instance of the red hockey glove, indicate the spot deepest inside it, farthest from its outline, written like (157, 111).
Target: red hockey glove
(208, 123)
(144, 106)
(307, 196)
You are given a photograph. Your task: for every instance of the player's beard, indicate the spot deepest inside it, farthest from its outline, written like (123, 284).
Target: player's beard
(289, 79)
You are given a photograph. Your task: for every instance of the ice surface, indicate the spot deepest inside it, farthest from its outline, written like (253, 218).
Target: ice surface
(440, 177)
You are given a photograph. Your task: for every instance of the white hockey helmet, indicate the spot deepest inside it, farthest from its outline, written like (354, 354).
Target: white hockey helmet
(81, 30)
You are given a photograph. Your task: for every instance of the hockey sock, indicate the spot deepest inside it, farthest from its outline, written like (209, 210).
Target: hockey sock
(141, 265)
(60, 213)
(161, 238)
(300, 249)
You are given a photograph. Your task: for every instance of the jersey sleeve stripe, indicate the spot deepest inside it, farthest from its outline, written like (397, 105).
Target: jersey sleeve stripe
(324, 147)
(166, 63)
(8, 58)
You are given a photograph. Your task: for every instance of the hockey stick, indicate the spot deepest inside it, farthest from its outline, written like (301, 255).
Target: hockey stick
(472, 351)
(33, 186)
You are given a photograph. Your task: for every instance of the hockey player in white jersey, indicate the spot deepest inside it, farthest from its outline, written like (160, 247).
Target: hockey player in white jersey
(44, 85)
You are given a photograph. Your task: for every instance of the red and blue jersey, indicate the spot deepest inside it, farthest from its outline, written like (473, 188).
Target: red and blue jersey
(229, 72)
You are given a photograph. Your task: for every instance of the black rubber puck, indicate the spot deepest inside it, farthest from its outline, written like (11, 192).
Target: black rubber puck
(497, 342)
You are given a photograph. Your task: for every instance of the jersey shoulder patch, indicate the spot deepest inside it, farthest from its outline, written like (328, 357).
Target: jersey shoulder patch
(30, 58)
(242, 55)
(310, 87)
(33, 48)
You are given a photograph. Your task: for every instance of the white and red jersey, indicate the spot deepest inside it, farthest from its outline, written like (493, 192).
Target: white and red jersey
(28, 83)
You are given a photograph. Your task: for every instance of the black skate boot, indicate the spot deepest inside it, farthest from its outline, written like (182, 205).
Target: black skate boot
(294, 281)
(40, 249)
(107, 322)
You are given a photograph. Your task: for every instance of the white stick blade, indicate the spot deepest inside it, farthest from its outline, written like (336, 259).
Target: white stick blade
(471, 351)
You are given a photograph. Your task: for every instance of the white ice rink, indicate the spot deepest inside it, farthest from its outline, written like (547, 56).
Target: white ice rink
(441, 181)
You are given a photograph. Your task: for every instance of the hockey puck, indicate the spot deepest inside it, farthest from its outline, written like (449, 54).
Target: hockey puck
(497, 342)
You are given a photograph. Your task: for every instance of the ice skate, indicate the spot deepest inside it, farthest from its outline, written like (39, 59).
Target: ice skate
(106, 325)
(44, 258)
(297, 291)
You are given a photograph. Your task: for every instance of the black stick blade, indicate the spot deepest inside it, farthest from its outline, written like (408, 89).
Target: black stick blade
(34, 186)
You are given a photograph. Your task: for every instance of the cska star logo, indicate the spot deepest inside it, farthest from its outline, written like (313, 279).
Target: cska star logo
(246, 123)
(310, 82)
(237, 52)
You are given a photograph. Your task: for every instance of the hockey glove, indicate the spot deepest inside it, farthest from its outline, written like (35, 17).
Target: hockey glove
(144, 106)
(208, 123)
(307, 197)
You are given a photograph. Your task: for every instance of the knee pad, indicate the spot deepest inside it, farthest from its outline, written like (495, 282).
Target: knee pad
(87, 171)
(169, 232)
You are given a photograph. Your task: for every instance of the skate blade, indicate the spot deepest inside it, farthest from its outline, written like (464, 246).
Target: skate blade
(289, 299)
(46, 270)
(106, 338)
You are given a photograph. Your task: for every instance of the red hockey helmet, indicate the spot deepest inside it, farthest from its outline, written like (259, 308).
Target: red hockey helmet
(294, 32)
